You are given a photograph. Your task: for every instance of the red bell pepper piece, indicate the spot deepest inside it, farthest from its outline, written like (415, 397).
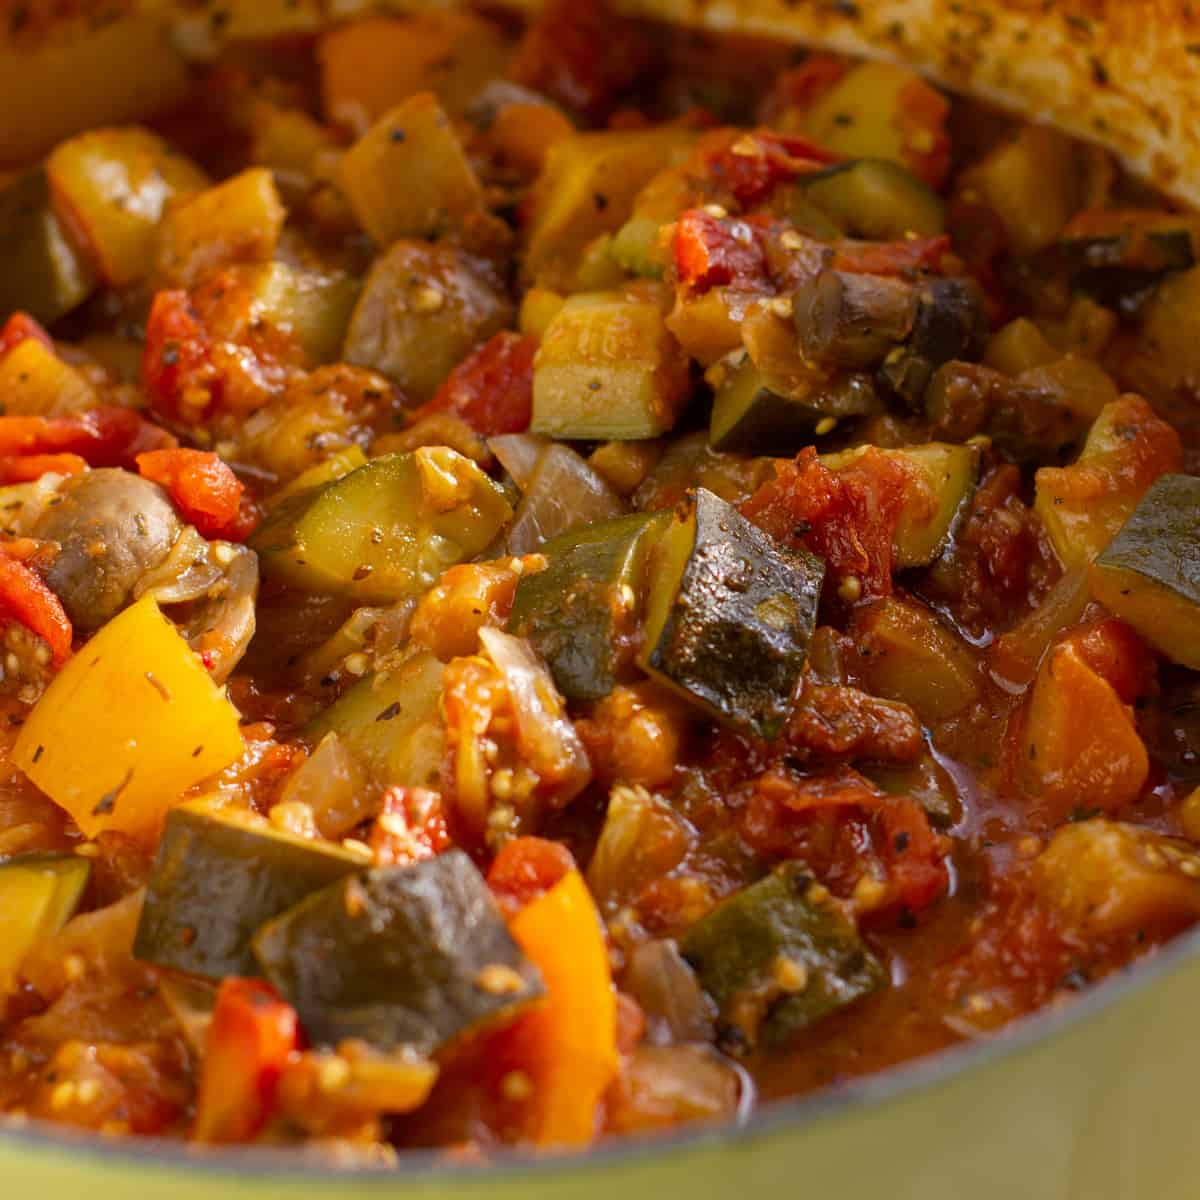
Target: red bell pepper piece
(19, 327)
(204, 489)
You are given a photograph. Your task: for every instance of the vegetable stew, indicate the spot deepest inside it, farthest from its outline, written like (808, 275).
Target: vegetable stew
(562, 578)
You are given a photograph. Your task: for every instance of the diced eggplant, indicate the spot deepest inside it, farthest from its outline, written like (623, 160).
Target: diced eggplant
(607, 368)
(780, 955)
(945, 479)
(400, 957)
(423, 309)
(385, 531)
(38, 895)
(220, 875)
(42, 276)
(851, 320)
(111, 188)
(730, 615)
(578, 612)
(877, 199)
(755, 414)
(390, 720)
(408, 176)
(1149, 575)
(950, 323)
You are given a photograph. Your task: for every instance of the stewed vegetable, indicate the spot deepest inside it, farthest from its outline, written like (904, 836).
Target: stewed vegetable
(558, 578)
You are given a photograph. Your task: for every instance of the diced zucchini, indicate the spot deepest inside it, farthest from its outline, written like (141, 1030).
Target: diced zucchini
(336, 466)
(408, 177)
(587, 188)
(877, 199)
(313, 307)
(753, 414)
(217, 877)
(808, 218)
(944, 481)
(861, 116)
(1149, 575)
(780, 955)
(423, 309)
(607, 368)
(578, 612)
(391, 721)
(423, 957)
(635, 247)
(387, 530)
(730, 615)
(34, 381)
(42, 275)
(237, 221)
(1032, 183)
(110, 189)
(909, 655)
(38, 895)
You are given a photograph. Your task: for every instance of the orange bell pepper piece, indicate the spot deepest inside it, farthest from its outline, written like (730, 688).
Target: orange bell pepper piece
(252, 1035)
(568, 1044)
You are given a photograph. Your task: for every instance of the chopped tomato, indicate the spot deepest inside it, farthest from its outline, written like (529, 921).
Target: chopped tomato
(847, 517)
(103, 437)
(252, 1035)
(753, 165)
(1115, 652)
(25, 468)
(207, 493)
(907, 257)
(492, 390)
(19, 327)
(26, 599)
(177, 360)
(922, 114)
(525, 868)
(411, 827)
(802, 86)
(713, 251)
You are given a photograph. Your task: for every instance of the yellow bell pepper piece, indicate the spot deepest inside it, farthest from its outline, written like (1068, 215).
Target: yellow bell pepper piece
(34, 381)
(568, 1045)
(130, 723)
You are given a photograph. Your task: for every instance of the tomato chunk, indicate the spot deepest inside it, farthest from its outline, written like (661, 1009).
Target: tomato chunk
(410, 828)
(26, 599)
(19, 327)
(713, 251)
(525, 868)
(492, 390)
(253, 1033)
(204, 489)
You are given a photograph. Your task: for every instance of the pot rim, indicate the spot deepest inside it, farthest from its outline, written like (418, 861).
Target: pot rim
(426, 1167)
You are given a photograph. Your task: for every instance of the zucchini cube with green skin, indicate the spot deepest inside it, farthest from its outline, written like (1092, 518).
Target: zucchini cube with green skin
(313, 306)
(576, 611)
(217, 877)
(753, 415)
(609, 369)
(39, 893)
(730, 615)
(43, 275)
(386, 531)
(944, 477)
(390, 721)
(1149, 575)
(414, 956)
(780, 955)
(877, 199)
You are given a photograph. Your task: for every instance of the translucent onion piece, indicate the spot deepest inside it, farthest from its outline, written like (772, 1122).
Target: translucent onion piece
(677, 1008)
(518, 454)
(187, 573)
(665, 1086)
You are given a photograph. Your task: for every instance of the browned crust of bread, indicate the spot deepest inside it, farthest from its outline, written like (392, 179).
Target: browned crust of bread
(1123, 73)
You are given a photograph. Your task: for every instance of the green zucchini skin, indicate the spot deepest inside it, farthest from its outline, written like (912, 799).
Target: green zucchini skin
(42, 275)
(575, 611)
(216, 880)
(878, 199)
(786, 920)
(738, 619)
(751, 416)
(1119, 268)
(396, 957)
(1149, 574)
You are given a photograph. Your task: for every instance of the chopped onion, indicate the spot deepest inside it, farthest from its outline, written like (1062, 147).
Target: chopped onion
(547, 739)
(518, 454)
(676, 1006)
(222, 622)
(333, 785)
(187, 573)
(563, 494)
(665, 1086)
